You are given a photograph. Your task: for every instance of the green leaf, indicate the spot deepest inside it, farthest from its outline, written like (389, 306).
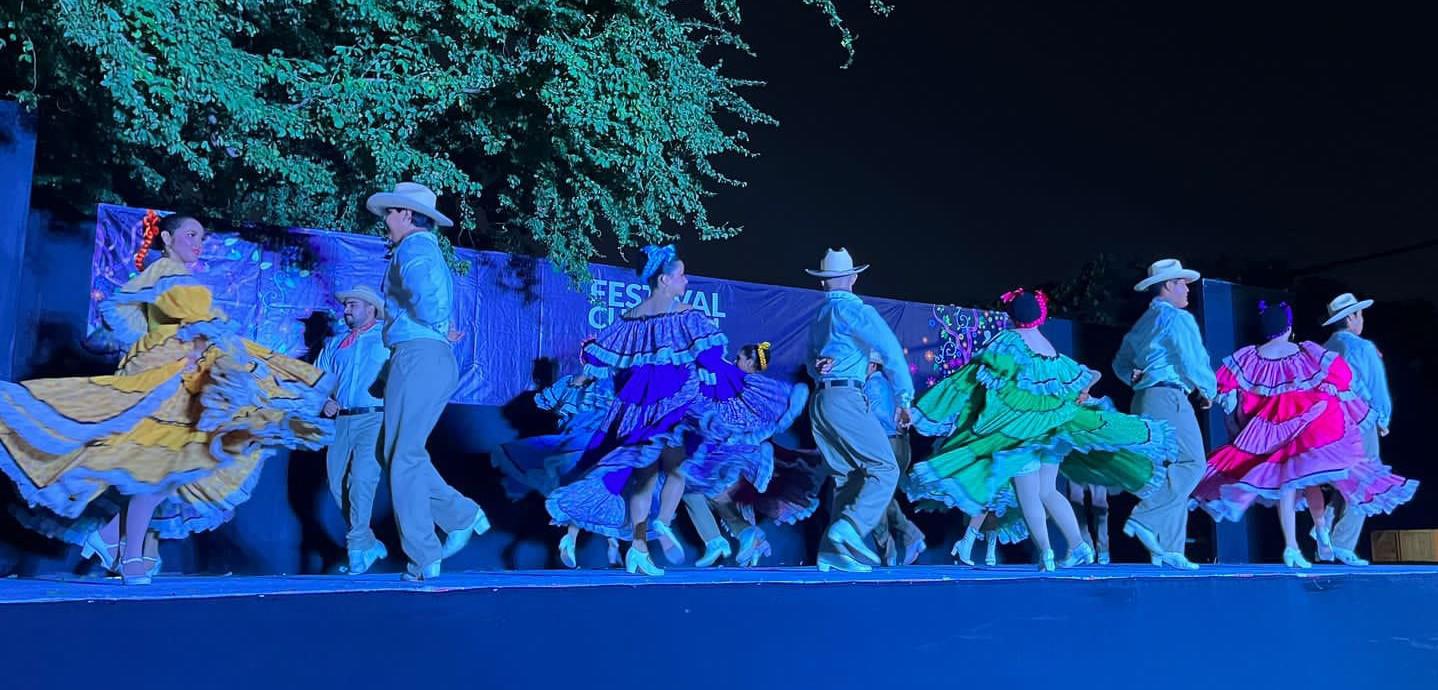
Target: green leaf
(547, 126)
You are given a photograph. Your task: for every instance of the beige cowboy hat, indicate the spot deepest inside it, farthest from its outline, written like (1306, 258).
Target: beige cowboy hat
(836, 264)
(363, 293)
(411, 195)
(1344, 305)
(1164, 270)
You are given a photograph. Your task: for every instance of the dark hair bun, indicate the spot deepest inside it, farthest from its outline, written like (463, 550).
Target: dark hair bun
(1025, 308)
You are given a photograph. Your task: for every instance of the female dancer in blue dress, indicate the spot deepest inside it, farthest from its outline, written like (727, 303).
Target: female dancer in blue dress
(736, 454)
(667, 364)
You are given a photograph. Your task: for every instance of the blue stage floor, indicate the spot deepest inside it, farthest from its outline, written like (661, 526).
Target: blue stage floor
(920, 628)
(16, 590)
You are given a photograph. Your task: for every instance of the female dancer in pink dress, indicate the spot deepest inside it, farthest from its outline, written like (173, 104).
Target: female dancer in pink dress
(1297, 421)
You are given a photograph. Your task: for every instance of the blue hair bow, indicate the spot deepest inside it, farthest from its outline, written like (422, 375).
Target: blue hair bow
(659, 258)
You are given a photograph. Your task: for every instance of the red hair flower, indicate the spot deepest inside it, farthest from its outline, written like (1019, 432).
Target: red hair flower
(151, 224)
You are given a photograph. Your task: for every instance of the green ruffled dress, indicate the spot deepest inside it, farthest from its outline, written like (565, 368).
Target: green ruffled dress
(1011, 410)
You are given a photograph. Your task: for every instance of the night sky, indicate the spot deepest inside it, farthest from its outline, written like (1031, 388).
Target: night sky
(977, 145)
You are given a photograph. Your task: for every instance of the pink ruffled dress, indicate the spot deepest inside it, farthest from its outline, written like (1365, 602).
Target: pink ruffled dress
(1299, 421)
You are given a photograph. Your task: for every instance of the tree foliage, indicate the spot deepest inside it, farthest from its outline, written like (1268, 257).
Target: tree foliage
(551, 125)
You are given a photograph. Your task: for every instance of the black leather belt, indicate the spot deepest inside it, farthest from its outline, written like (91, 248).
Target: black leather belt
(1169, 384)
(839, 383)
(350, 412)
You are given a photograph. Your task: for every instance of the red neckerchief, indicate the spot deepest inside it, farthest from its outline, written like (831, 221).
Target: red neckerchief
(354, 334)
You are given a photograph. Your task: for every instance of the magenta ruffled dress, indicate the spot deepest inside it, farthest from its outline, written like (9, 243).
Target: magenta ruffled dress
(1300, 424)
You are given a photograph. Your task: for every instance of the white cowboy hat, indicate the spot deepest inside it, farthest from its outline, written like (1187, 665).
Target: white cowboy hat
(1164, 270)
(1344, 305)
(363, 293)
(411, 195)
(836, 264)
(876, 357)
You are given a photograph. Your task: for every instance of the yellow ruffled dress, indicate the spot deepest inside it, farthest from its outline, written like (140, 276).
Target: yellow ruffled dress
(192, 412)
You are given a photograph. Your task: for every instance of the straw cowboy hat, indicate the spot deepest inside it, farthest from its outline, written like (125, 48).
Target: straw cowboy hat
(363, 293)
(411, 195)
(1164, 270)
(1344, 305)
(836, 264)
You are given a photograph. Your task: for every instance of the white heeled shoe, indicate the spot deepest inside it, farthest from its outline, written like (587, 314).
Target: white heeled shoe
(964, 548)
(1347, 557)
(715, 550)
(143, 579)
(361, 560)
(1145, 537)
(1078, 555)
(1293, 558)
(95, 547)
(429, 572)
(668, 541)
(753, 546)
(1046, 561)
(1174, 559)
(848, 540)
(458, 539)
(914, 546)
(842, 562)
(566, 551)
(636, 562)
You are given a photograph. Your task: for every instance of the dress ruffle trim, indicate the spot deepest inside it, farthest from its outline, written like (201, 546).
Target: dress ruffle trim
(627, 418)
(1368, 486)
(235, 384)
(793, 491)
(539, 463)
(45, 429)
(1263, 437)
(1303, 370)
(666, 339)
(1159, 446)
(1009, 528)
(716, 466)
(1056, 376)
(122, 312)
(125, 323)
(752, 415)
(733, 433)
(1234, 498)
(1385, 502)
(792, 513)
(177, 519)
(930, 427)
(924, 484)
(590, 506)
(173, 519)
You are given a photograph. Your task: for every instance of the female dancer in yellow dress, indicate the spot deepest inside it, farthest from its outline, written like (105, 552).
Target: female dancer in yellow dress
(173, 442)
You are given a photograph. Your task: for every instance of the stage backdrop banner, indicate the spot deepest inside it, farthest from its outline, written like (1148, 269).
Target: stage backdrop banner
(515, 315)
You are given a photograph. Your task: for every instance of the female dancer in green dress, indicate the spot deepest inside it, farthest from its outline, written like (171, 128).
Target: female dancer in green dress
(1013, 416)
